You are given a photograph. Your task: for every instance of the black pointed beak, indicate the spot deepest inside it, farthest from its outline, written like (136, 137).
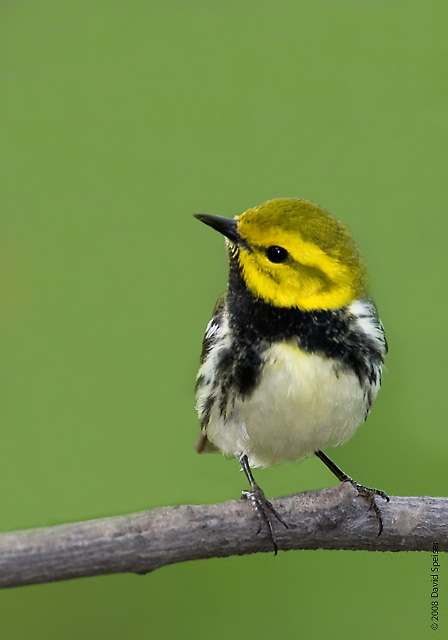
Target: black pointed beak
(226, 226)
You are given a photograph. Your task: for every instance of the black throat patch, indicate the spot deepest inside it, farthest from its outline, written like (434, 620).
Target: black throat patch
(255, 325)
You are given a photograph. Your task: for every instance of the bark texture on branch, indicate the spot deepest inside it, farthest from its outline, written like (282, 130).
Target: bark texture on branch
(335, 518)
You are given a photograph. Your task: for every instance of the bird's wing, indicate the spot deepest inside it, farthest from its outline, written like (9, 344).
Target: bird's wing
(202, 444)
(213, 325)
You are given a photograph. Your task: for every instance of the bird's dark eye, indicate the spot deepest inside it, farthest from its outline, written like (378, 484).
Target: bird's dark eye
(276, 254)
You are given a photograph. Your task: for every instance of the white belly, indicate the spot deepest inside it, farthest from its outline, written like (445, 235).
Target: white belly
(303, 403)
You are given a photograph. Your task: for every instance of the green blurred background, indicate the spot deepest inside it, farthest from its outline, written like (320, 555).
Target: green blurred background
(119, 121)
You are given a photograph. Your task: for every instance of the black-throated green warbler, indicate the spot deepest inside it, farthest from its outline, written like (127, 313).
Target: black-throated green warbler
(291, 359)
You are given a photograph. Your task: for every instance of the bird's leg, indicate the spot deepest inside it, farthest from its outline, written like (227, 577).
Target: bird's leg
(365, 492)
(260, 502)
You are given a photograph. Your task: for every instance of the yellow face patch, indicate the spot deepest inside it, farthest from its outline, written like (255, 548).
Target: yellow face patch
(322, 270)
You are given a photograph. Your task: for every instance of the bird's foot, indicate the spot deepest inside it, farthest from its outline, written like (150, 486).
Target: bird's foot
(369, 495)
(266, 511)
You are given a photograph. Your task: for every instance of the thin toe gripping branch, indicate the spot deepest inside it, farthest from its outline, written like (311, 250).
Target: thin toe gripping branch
(262, 505)
(365, 492)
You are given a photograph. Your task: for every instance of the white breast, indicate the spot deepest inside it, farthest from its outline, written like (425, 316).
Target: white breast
(304, 402)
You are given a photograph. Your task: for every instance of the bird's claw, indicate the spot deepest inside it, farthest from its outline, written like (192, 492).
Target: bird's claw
(369, 494)
(266, 511)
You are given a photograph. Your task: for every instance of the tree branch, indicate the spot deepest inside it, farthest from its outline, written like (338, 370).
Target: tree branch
(335, 518)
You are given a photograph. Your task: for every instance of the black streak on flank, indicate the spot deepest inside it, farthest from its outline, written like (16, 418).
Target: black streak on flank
(238, 369)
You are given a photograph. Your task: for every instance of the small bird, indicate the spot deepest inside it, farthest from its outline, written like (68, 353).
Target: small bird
(292, 357)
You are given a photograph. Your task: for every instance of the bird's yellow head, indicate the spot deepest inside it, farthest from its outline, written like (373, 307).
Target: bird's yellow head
(292, 253)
